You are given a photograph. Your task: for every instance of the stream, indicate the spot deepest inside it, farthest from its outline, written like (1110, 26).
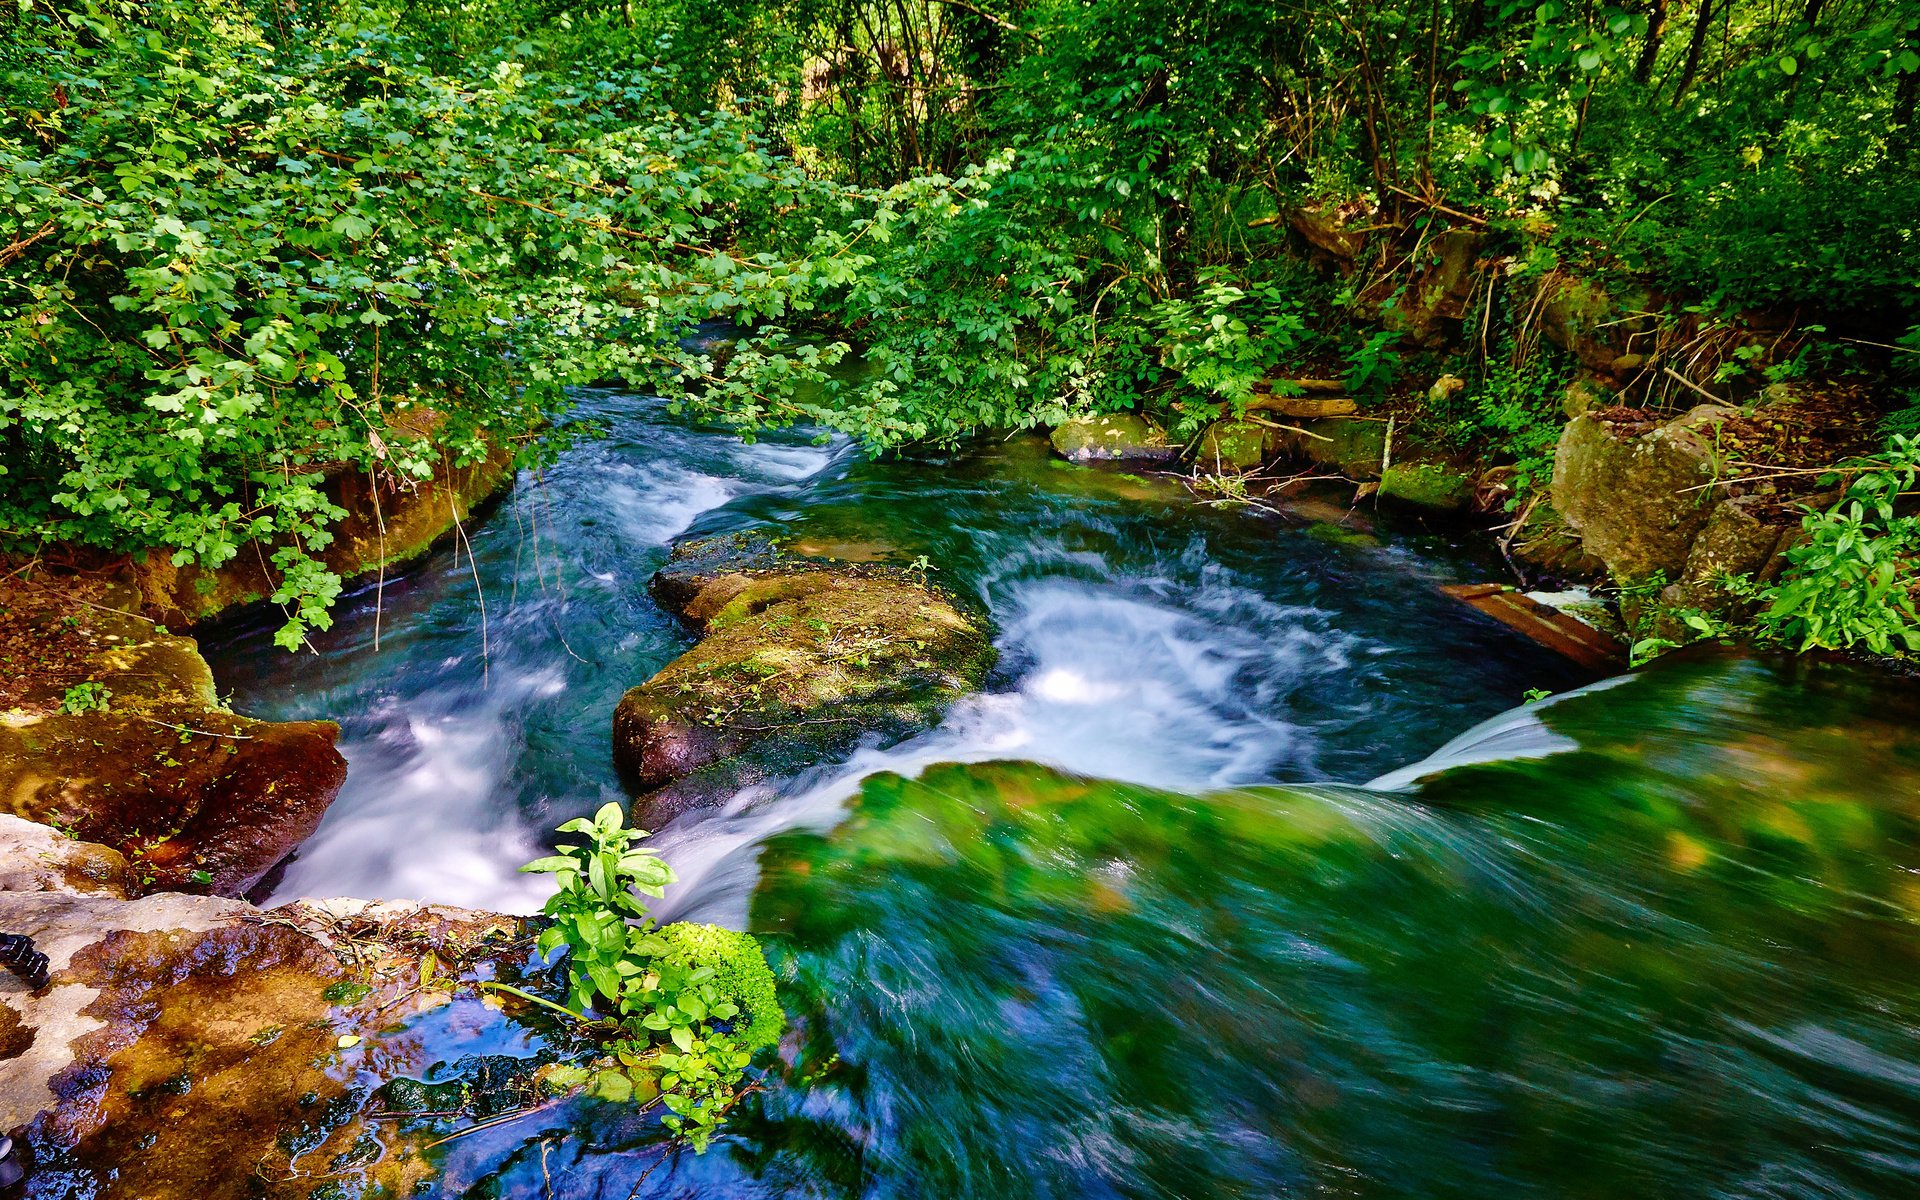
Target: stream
(1166, 911)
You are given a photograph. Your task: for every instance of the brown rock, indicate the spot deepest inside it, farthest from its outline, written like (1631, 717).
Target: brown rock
(190, 794)
(1637, 503)
(1734, 541)
(798, 661)
(190, 1048)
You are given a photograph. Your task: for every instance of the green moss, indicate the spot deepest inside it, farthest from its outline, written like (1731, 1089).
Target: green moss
(1427, 484)
(1111, 436)
(740, 972)
(1232, 446)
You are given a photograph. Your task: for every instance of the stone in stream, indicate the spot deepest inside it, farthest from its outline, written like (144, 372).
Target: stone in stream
(799, 661)
(1113, 437)
(197, 1048)
(110, 729)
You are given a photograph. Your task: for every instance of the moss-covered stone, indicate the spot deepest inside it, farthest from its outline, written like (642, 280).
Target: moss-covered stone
(1113, 437)
(386, 526)
(799, 660)
(121, 740)
(1429, 485)
(1353, 446)
(1638, 500)
(1233, 446)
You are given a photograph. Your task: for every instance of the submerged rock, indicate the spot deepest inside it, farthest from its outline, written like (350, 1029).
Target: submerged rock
(196, 1048)
(1113, 437)
(799, 660)
(116, 736)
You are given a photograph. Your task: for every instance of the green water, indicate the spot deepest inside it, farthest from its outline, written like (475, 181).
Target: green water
(1662, 944)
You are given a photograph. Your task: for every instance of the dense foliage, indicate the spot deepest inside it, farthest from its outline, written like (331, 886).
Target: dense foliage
(247, 245)
(241, 254)
(687, 1006)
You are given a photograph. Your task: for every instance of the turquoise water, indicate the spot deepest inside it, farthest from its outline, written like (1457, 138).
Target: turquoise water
(1166, 913)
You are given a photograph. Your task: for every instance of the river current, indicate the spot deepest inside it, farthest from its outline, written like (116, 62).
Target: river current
(1166, 911)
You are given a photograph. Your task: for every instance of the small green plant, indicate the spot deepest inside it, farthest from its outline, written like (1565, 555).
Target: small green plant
(1372, 366)
(1535, 695)
(685, 1006)
(1511, 412)
(1850, 582)
(87, 697)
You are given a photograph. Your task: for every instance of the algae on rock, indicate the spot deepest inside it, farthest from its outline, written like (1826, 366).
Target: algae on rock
(799, 660)
(151, 763)
(1113, 437)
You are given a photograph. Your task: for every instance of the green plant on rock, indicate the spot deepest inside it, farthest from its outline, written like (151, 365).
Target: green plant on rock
(91, 696)
(1850, 582)
(1510, 412)
(685, 1006)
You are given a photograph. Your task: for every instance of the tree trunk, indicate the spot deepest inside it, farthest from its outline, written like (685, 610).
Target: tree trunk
(1696, 46)
(1650, 51)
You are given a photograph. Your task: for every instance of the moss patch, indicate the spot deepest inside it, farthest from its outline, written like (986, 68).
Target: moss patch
(1428, 485)
(800, 659)
(1112, 436)
(151, 763)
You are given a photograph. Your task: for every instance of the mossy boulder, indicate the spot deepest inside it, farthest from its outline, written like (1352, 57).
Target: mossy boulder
(114, 734)
(1234, 446)
(1639, 498)
(1428, 485)
(1353, 446)
(799, 660)
(386, 527)
(1113, 437)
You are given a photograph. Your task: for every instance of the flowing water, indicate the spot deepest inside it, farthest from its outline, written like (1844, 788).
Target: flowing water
(1134, 922)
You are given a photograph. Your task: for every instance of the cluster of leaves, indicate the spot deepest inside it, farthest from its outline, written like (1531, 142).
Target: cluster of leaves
(1508, 411)
(242, 252)
(90, 696)
(686, 1006)
(246, 247)
(1850, 582)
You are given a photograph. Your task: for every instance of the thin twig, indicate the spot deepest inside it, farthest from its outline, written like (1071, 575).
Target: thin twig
(238, 737)
(1696, 387)
(509, 1119)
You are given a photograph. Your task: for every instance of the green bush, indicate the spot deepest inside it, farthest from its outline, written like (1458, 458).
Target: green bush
(1850, 582)
(688, 1005)
(740, 974)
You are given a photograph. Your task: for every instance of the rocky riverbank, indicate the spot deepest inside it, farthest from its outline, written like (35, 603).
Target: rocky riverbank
(198, 1048)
